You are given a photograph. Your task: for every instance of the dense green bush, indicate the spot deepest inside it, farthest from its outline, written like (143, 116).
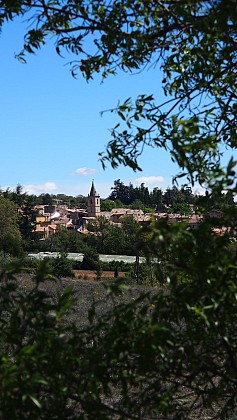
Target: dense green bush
(90, 260)
(61, 266)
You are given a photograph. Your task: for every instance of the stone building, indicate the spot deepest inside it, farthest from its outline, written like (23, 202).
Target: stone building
(93, 202)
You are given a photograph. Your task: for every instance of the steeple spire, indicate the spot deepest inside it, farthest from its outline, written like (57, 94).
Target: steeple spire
(93, 190)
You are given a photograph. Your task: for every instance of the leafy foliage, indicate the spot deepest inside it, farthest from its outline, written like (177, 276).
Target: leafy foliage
(61, 266)
(139, 197)
(195, 44)
(90, 260)
(10, 236)
(32, 340)
(179, 358)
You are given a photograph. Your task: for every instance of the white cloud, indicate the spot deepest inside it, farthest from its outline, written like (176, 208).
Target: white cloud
(50, 186)
(149, 180)
(85, 171)
(46, 187)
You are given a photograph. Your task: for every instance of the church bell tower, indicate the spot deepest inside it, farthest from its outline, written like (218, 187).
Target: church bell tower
(93, 202)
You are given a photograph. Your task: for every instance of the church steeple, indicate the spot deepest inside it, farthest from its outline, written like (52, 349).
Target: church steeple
(93, 191)
(93, 202)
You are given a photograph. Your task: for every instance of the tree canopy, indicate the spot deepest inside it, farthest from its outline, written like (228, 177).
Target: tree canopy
(194, 44)
(10, 236)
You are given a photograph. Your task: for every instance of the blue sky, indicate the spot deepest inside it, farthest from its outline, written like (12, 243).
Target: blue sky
(51, 127)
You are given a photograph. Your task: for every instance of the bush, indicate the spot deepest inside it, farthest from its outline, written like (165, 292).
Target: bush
(34, 381)
(90, 260)
(62, 266)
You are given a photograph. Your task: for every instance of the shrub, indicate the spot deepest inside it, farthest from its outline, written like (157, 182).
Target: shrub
(62, 266)
(90, 260)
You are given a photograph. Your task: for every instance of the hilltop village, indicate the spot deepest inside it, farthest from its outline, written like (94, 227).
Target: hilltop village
(51, 217)
(62, 223)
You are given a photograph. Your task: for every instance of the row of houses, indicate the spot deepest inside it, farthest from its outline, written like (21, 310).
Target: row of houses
(51, 217)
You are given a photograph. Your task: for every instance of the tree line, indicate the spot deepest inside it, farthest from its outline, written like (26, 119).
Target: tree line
(177, 199)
